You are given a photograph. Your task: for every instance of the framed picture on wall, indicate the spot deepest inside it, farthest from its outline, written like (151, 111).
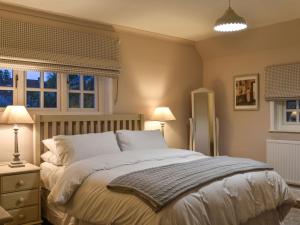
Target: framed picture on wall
(246, 92)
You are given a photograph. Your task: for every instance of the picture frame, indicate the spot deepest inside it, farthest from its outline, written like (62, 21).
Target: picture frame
(246, 92)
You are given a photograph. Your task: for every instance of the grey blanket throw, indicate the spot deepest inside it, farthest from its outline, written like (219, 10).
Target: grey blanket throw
(159, 186)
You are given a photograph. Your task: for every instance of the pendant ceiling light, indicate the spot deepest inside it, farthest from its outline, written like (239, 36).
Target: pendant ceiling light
(230, 22)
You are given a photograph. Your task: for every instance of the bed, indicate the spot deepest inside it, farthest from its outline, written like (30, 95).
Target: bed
(78, 194)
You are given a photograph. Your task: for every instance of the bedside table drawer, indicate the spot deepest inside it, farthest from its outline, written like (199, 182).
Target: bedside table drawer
(24, 215)
(20, 199)
(19, 182)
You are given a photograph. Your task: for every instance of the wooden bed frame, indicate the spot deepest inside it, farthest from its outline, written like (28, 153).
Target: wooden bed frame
(47, 126)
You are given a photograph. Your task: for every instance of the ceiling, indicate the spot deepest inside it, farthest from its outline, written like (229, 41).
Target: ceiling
(188, 19)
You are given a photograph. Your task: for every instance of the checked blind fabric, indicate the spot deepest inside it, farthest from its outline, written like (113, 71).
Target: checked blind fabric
(66, 50)
(282, 82)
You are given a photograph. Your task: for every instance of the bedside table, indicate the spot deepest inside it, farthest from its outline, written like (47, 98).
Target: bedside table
(5, 217)
(20, 193)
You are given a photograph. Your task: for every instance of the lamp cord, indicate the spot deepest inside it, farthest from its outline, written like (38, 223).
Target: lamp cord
(229, 3)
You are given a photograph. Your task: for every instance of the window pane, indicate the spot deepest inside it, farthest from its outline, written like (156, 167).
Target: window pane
(6, 98)
(291, 116)
(74, 82)
(6, 77)
(50, 80)
(88, 101)
(33, 79)
(50, 100)
(291, 104)
(74, 100)
(88, 83)
(33, 99)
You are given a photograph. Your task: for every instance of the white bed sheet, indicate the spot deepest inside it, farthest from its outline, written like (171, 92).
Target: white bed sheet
(50, 173)
(231, 201)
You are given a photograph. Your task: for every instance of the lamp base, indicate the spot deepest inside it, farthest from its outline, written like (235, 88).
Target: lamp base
(14, 164)
(162, 125)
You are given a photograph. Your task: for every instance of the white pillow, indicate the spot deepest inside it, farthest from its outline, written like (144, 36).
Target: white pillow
(50, 157)
(136, 140)
(77, 147)
(50, 144)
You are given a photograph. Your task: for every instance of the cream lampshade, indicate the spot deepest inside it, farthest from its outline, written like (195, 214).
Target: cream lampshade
(162, 114)
(230, 21)
(16, 114)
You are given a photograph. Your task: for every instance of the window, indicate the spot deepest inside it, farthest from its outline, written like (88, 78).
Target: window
(6, 87)
(285, 116)
(41, 89)
(55, 91)
(292, 110)
(82, 91)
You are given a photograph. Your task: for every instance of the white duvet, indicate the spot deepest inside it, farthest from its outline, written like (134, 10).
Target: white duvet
(231, 201)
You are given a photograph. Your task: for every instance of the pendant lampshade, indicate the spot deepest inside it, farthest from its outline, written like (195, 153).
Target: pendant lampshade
(230, 22)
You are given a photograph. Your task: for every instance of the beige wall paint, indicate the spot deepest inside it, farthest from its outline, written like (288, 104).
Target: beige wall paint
(243, 133)
(154, 72)
(159, 72)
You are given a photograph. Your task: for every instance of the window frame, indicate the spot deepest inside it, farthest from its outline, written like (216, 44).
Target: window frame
(42, 90)
(14, 88)
(104, 97)
(278, 121)
(97, 93)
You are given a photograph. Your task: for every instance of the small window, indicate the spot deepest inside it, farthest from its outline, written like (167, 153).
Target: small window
(292, 112)
(82, 91)
(6, 87)
(285, 116)
(41, 89)
(74, 82)
(74, 100)
(6, 78)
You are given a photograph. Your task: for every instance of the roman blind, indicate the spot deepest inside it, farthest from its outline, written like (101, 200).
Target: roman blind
(42, 46)
(282, 82)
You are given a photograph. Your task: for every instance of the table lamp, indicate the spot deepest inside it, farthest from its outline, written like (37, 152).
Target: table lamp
(162, 114)
(16, 114)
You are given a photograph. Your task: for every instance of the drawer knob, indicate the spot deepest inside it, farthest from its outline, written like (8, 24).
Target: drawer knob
(21, 216)
(21, 200)
(21, 183)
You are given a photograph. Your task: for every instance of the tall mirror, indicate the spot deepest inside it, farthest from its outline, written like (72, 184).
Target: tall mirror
(203, 124)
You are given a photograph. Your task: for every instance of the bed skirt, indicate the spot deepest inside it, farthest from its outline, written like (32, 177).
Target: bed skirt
(57, 217)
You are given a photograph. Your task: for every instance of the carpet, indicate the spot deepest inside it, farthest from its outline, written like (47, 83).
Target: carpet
(293, 218)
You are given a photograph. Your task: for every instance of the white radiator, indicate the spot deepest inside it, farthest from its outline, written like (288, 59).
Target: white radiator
(284, 156)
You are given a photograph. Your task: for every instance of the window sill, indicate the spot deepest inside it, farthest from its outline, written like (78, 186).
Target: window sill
(284, 131)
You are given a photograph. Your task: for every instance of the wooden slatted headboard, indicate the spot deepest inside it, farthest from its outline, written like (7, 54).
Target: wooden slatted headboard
(47, 126)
